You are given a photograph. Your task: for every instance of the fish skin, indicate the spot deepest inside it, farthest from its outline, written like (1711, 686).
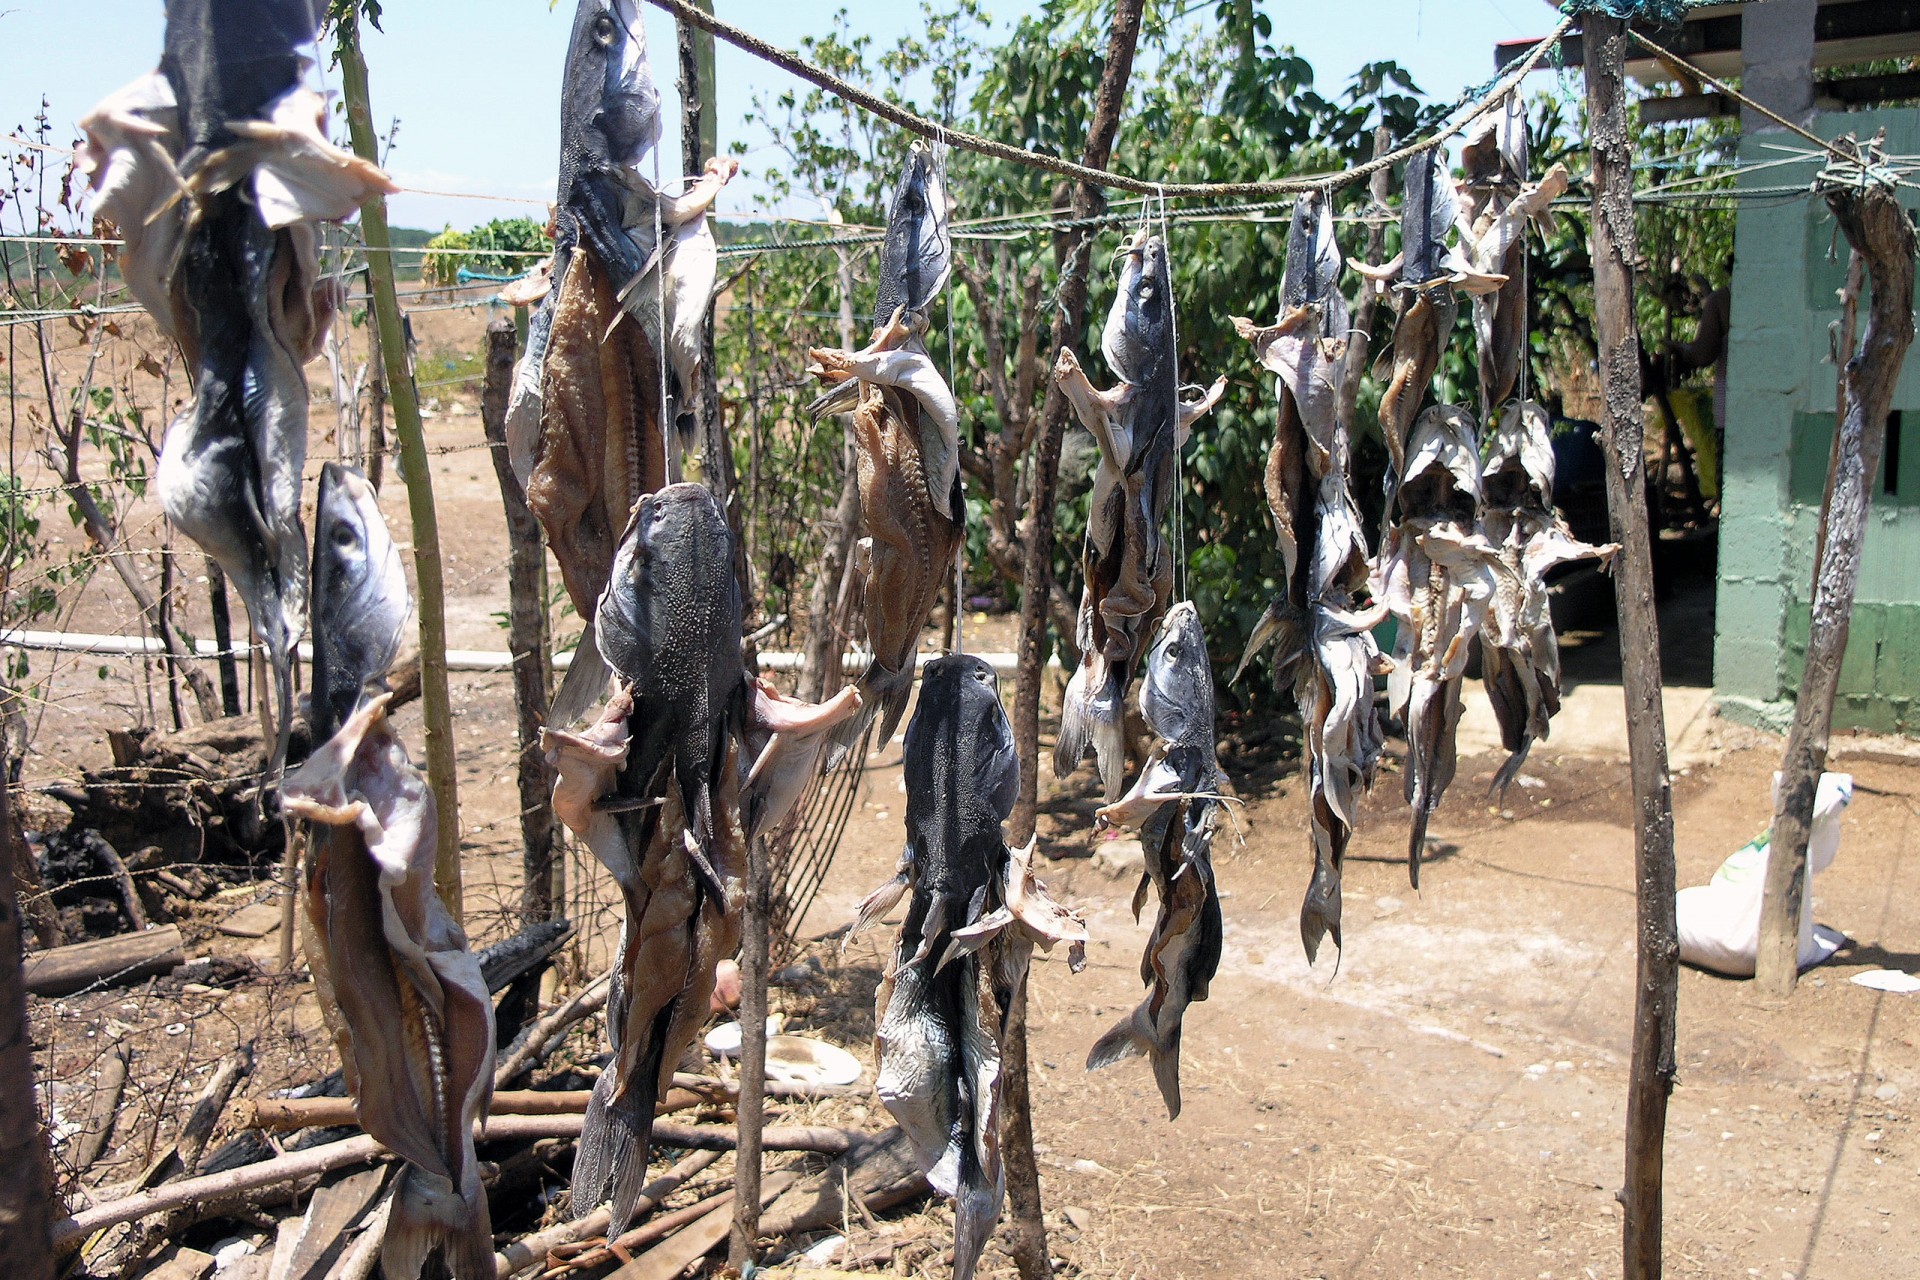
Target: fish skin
(1139, 426)
(407, 1003)
(361, 605)
(669, 623)
(783, 745)
(974, 917)
(911, 539)
(1170, 806)
(1438, 574)
(917, 254)
(1520, 654)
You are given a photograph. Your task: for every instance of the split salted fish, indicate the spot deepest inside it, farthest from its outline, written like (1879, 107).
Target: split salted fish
(215, 169)
(906, 440)
(404, 997)
(1519, 653)
(1174, 805)
(975, 914)
(653, 787)
(1305, 348)
(1499, 203)
(630, 286)
(1139, 425)
(1438, 574)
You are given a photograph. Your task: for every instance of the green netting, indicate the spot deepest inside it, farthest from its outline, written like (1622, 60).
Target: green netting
(1656, 11)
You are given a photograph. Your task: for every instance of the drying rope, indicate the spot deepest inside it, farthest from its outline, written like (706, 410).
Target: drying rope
(1739, 97)
(960, 517)
(1179, 460)
(875, 105)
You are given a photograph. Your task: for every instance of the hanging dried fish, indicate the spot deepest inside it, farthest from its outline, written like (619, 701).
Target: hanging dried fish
(906, 435)
(1428, 269)
(1140, 426)
(403, 995)
(215, 170)
(1438, 575)
(1498, 208)
(653, 788)
(975, 916)
(1305, 348)
(585, 422)
(1174, 806)
(1519, 653)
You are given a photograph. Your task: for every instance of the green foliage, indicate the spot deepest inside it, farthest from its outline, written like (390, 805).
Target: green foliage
(503, 247)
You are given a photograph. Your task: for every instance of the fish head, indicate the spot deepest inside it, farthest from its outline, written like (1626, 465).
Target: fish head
(918, 253)
(1176, 694)
(609, 104)
(1427, 214)
(1138, 340)
(959, 712)
(681, 519)
(361, 604)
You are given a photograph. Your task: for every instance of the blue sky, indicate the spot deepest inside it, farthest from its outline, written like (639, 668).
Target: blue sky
(475, 83)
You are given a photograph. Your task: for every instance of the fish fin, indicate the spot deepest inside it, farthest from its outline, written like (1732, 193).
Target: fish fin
(1109, 735)
(1281, 623)
(585, 681)
(611, 1164)
(882, 900)
(428, 1212)
(1140, 895)
(965, 941)
(1130, 1037)
(884, 696)
(703, 868)
(1076, 727)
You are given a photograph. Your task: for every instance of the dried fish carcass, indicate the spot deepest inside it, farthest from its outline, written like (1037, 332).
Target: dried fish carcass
(403, 995)
(1140, 425)
(653, 787)
(906, 438)
(1426, 273)
(1499, 205)
(1305, 348)
(1174, 805)
(215, 169)
(631, 285)
(976, 913)
(1438, 575)
(1519, 652)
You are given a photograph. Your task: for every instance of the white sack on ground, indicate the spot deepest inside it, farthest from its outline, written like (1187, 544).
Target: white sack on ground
(1720, 921)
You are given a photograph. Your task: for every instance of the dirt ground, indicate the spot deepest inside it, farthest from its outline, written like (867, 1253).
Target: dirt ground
(1449, 1101)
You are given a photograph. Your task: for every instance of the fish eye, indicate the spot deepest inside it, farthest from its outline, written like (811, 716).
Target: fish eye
(344, 538)
(604, 31)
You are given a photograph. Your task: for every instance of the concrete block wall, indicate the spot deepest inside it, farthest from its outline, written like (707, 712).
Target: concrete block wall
(1788, 267)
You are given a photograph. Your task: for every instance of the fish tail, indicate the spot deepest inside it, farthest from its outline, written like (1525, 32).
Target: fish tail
(1132, 1036)
(1510, 770)
(611, 1165)
(976, 1211)
(585, 681)
(884, 695)
(1320, 910)
(1076, 727)
(1166, 1072)
(428, 1213)
(1109, 734)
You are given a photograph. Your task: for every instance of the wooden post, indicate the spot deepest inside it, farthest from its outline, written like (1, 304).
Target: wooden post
(526, 631)
(1650, 1079)
(1877, 230)
(435, 704)
(750, 1109)
(1029, 1230)
(223, 637)
(26, 1249)
(1074, 250)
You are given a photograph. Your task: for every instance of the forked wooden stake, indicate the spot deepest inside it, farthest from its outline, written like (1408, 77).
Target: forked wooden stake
(1650, 1081)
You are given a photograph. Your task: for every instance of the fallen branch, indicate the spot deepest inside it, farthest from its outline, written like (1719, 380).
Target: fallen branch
(125, 958)
(684, 1236)
(881, 1172)
(531, 1251)
(726, 1091)
(281, 1115)
(98, 1127)
(540, 1037)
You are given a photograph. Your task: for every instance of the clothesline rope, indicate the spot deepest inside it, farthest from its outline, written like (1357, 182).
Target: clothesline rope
(932, 130)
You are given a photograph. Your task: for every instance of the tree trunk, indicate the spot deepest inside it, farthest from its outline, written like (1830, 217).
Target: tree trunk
(526, 633)
(1036, 584)
(1650, 1081)
(1069, 319)
(1878, 232)
(26, 1249)
(435, 704)
(750, 1109)
(1355, 366)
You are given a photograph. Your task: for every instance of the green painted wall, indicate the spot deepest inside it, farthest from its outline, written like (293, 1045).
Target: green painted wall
(1789, 265)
